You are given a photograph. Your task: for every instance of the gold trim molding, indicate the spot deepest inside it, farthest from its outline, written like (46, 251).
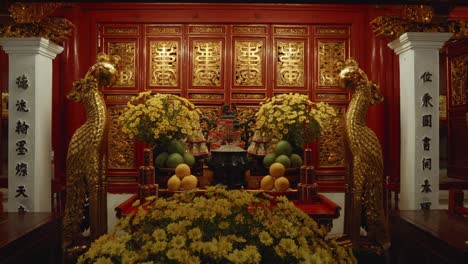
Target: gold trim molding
(459, 77)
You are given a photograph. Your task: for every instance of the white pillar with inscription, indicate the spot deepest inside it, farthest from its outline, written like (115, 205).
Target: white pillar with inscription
(30, 122)
(419, 118)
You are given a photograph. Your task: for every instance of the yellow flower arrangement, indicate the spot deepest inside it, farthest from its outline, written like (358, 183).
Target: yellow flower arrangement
(223, 226)
(293, 117)
(159, 118)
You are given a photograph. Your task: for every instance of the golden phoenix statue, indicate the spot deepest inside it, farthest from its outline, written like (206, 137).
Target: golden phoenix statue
(86, 157)
(366, 183)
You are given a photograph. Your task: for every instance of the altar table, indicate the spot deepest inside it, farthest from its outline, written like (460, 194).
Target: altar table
(30, 238)
(432, 236)
(322, 209)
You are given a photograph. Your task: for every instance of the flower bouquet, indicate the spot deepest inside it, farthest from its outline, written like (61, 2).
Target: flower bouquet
(220, 227)
(293, 118)
(160, 118)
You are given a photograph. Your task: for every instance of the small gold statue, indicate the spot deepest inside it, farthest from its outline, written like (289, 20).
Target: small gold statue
(367, 164)
(86, 157)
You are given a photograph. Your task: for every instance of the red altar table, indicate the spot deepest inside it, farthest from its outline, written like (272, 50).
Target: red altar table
(321, 209)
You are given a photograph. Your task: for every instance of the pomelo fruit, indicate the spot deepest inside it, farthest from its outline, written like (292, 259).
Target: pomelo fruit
(174, 159)
(267, 183)
(281, 184)
(283, 147)
(189, 182)
(296, 160)
(161, 159)
(182, 170)
(283, 159)
(189, 159)
(277, 170)
(269, 159)
(176, 147)
(173, 184)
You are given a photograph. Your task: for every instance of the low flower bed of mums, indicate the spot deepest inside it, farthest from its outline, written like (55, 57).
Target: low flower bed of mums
(222, 226)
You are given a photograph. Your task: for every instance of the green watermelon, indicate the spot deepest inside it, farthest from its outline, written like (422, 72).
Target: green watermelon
(296, 160)
(283, 147)
(283, 159)
(161, 159)
(174, 159)
(268, 160)
(189, 159)
(176, 147)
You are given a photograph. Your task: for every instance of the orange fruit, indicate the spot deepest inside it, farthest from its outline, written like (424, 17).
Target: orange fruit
(281, 184)
(277, 170)
(267, 183)
(173, 184)
(189, 182)
(182, 170)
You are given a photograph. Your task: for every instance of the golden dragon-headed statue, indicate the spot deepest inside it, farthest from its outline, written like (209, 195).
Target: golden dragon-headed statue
(86, 157)
(366, 184)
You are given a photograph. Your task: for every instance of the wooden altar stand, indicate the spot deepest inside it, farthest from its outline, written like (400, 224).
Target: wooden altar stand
(321, 209)
(30, 238)
(431, 236)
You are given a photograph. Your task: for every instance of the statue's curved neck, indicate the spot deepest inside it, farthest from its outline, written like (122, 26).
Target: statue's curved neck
(93, 102)
(358, 106)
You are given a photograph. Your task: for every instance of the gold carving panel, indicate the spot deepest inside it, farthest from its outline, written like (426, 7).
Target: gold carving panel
(332, 31)
(121, 30)
(248, 96)
(290, 30)
(206, 63)
(249, 30)
(331, 96)
(245, 113)
(207, 30)
(459, 77)
(163, 30)
(332, 142)
(210, 112)
(206, 96)
(121, 148)
(127, 53)
(249, 57)
(290, 63)
(164, 63)
(330, 54)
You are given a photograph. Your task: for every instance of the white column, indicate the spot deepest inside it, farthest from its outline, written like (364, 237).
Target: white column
(419, 100)
(30, 122)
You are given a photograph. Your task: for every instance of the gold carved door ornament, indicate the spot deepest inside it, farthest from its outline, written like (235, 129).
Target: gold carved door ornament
(163, 64)
(126, 51)
(331, 56)
(248, 66)
(290, 63)
(206, 63)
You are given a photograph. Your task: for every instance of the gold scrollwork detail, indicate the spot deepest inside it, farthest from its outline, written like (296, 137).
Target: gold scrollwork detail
(245, 113)
(206, 63)
(126, 31)
(290, 31)
(332, 96)
(206, 96)
(290, 63)
(210, 112)
(248, 95)
(249, 30)
(331, 55)
(121, 148)
(119, 97)
(163, 30)
(206, 30)
(163, 63)
(459, 76)
(331, 31)
(248, 65)
(126, 51)
(332, 142)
